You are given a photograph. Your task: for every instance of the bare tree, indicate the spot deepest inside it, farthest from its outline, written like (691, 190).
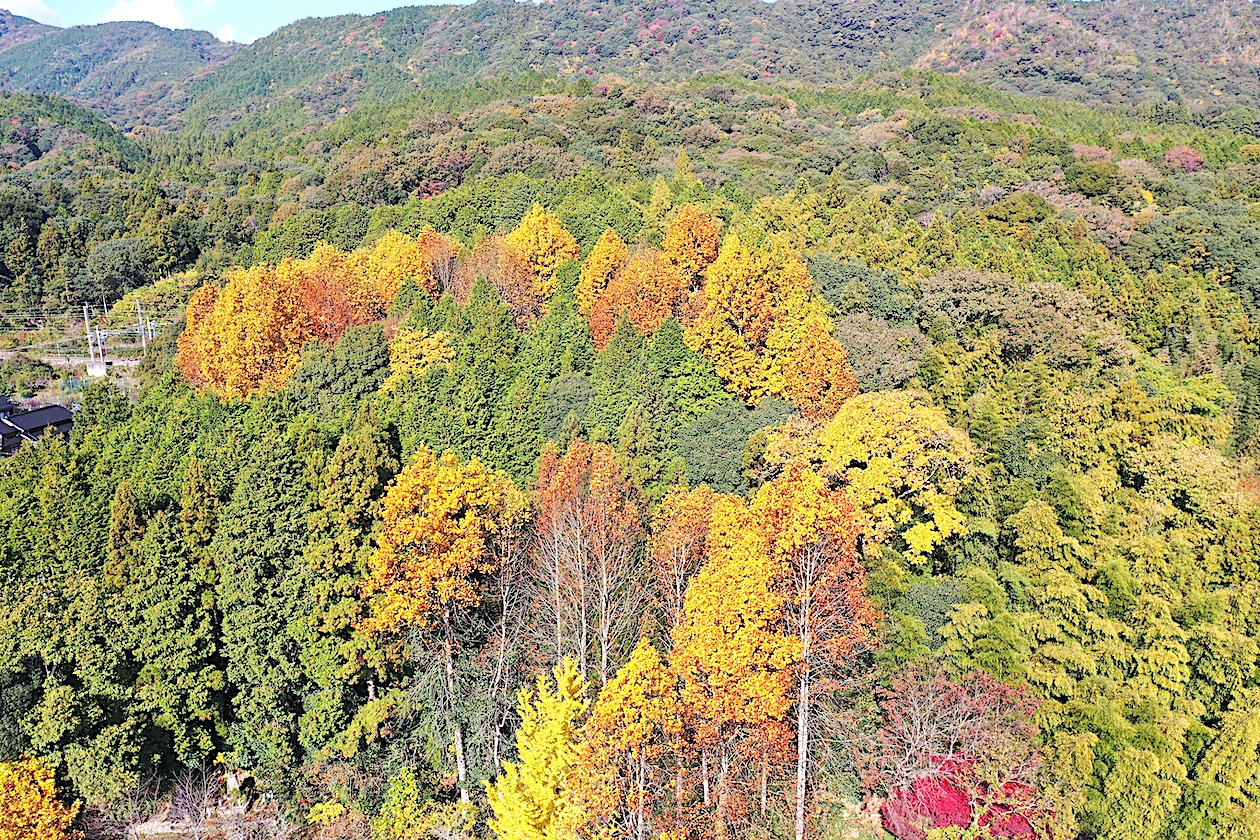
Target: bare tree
(977, 736)
(589, 570)
(123, 816)
(194, 793)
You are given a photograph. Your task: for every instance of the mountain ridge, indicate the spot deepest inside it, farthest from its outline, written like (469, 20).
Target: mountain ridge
(1128, 53)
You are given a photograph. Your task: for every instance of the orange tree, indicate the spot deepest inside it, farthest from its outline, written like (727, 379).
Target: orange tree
(812, 535)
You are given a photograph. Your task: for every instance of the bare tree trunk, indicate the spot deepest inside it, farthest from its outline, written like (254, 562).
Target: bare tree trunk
(765, 776)
(723, 792)
(555, 591)
(802, 750)
(448, 648)
(584, 620)
(639, 815)
(704, 775)
(605, 618)
(678, 794)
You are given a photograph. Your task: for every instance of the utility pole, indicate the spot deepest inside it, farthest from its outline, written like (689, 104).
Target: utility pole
(140, 328)
(87, 331)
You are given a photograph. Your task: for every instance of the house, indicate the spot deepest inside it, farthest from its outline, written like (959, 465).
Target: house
(17, 426)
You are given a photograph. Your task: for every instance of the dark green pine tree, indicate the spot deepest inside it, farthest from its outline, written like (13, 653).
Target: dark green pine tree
(325, 583)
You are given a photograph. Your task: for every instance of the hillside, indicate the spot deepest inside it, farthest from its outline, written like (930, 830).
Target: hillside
(15, 29)
(1181, 60)
(34, 127)
(1204, 56)
(130, 71)
(586, 421)
(1189, 60)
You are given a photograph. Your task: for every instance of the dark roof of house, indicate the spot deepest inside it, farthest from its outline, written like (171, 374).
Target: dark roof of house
(7, 404)
(40, 418)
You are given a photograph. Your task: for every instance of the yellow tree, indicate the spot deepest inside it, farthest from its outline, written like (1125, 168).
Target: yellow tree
(543, 243)
(812, 532)
(817, 378)
(631, 724)
(756, 305)
(691, 243)
(903, 464)
(397, 257)
(532, 798)
(413, 352)
(441, 519)
(734, 665)
(248, 336)
(603, 263)
(29, 807)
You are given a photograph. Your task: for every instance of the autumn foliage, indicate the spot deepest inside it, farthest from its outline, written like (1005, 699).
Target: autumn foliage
(441, 519)
(959, 753)
(647, 290)
(604, 262)
(444, 520)
(589, 518)
(691, 243)
(247, 336)
(767, 602)
(766, 332)
(29, 807)
(751, 310)
(532, 798)
(502, 265)
(678, 544)
(542, 242)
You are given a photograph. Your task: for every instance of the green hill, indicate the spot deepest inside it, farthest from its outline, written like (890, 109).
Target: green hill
(33, 126)
(132, 71)
(1196, 59)
(15, 29)
(1178, 59)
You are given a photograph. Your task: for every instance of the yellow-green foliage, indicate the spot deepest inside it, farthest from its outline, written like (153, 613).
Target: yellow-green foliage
(529, 798)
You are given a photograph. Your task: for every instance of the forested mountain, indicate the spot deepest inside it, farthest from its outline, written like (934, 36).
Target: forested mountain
(754, 436)
(1178, 59)
(133, 72)
(15, 29)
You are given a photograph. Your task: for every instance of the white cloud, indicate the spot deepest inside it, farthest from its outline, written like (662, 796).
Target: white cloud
(227, 32)
(35, 9)
(162, 12)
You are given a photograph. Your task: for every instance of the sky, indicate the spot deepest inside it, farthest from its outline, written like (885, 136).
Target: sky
(230, 20)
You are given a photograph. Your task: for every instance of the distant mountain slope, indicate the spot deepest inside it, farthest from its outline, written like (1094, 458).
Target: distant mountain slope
(1162, 54)
(331, 64)
(133, 72)
(1123, 52)
(15, 29)
(35, 126)
(1117, 51)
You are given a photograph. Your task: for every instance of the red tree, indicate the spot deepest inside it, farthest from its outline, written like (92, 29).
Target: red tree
(1184, 158)
(958, 754)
